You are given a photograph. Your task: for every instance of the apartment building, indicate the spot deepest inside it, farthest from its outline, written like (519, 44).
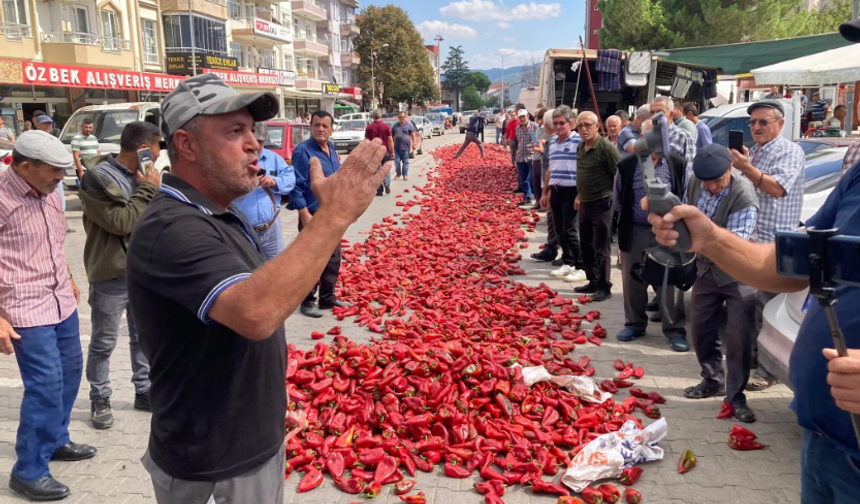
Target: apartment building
(60, 55)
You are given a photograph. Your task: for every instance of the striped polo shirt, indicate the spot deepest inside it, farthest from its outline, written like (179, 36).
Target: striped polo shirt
(85, 144)
(562, 160)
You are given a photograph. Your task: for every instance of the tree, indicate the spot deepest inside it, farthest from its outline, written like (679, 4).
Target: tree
(663, 24)
(530, 71)
(471, 99)
(481, 82)
(456, 73)
(402, 70)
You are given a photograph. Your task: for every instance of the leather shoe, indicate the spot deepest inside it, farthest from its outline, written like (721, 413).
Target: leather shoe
(589, 288)
(601, 295)
(336, 302)
(630, 334)
(558, 263)
(42, 489)
(656, 317)
(141, 402)
(652, 305)
(310, 310)
(704, 390)
(679, 344)
(543, 256)
(72, 452)
(744, 414)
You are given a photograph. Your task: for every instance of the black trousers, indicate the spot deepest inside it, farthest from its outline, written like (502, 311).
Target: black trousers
(328, 279)
(707, 305)
(537, 183)
(595, 231)
(564, 220)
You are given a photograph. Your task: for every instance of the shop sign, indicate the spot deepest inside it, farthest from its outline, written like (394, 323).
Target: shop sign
(180, 63)
(354, 91)
(244, 79)
(45, 74)
(272, 30)
(330, 89)
(285, 77)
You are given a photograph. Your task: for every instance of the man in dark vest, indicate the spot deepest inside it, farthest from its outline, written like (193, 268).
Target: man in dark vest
(730, 202)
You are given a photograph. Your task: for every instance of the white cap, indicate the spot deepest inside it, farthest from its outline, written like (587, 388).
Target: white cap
(522, 112)
(41, 146)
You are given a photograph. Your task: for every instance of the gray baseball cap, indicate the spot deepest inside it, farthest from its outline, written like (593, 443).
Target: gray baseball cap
(44, 147)
(207, 94)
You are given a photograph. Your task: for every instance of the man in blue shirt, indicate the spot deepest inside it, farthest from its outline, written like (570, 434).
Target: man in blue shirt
(302, 199)
(818, 108)
(691, 111)
(628, 135)
(405, 138)
(262, 206)
(830, 459)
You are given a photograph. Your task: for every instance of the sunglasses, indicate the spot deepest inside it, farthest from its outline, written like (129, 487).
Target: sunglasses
(559, 123)
(585, 125)
(761, 122)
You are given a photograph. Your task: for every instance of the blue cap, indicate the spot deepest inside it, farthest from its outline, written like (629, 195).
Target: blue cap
(42, 119)
(712, 162)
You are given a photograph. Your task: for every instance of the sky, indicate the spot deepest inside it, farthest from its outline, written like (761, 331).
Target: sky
(511, 28)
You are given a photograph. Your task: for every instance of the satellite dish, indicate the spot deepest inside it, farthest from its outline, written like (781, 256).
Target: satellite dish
(560, 76)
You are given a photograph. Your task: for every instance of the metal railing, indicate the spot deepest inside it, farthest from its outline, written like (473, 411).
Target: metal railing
(108, 44)
(15, 31)
(315, 3)
(315, 40)
(313, 75)
(222, 3)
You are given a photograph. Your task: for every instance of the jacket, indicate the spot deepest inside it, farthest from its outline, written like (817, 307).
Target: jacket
(112, 202)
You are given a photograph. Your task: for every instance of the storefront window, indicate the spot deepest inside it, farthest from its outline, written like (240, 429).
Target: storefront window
(210, 36)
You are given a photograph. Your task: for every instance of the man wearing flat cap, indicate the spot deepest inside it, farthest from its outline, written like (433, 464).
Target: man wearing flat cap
(210, 309)
(728, 199)
(775, 165)
(38, 312)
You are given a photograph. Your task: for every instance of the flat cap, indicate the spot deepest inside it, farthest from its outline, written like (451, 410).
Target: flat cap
(44, 118)
(44, 147)
(712, 162)
(774, 104)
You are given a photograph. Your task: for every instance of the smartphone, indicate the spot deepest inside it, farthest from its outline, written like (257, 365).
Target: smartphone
(144, 157)
(736, 140)
(534, 138)
(843, 252)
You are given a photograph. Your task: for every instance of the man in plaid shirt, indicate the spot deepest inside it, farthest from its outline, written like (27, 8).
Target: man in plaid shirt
(525, 129)
(852, 156)
(680, 140)
(775, 166)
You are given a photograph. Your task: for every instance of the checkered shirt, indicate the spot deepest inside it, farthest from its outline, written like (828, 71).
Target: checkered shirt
(681, 142)
(852, 156)
(525, 146)
(741, 223)
(783, 160)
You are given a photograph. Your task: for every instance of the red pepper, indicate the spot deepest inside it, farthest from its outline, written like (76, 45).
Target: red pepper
(652, 411)
(621, 383)
(540, 486)
(595, 340)
(686, 462)
(657, 398)
(372, 457)
(586, 422)
(636, 392)
(569, 500)
(630, 475)
(414, 499)
(365, 476)
(726, 410)
(313, 439)
(345, 440)
(618, 364)
(404, 487)
(608, 386)
(312, 479)
(334, 331)
(422, 420)
(625, 373)
(610, 492)
(505, 404)
(492, 498)
(632, 496)
(352, 486)
(591, 495)
(317, 335)
(373, 490)
(395, 477)
(456, 471)
(385, 469)
(638, 372)
(335, 464)
(492, 486)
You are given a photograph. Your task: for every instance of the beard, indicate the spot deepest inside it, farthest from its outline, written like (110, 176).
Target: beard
(226, 181)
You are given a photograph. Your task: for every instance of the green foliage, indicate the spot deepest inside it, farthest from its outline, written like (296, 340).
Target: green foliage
(481, 81)
(402, 70)
(471, 99)
(663, 24)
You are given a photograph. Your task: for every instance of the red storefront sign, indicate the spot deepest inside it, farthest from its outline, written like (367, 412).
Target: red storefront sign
(45, 74)
(246, 79)
(354, 91)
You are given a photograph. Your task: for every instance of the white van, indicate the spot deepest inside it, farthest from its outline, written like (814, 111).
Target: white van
(356, 116)
(108, 123)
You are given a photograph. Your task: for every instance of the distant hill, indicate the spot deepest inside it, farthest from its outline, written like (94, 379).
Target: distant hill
(495, 74)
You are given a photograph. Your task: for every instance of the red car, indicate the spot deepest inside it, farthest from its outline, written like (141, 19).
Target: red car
(284, 136)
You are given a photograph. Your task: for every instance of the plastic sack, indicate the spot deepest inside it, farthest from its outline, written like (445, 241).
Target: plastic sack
(295, 421)
(606, 456)
(583, 386)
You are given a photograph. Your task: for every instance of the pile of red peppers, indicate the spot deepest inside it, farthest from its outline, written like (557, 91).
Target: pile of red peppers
(438, 387)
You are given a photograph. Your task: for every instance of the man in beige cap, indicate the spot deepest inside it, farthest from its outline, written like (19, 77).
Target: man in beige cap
(210, 309)
(38, 312)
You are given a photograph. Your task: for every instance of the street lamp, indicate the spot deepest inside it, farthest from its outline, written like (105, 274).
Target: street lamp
(438, 39)
(372, 77)
(502, 101)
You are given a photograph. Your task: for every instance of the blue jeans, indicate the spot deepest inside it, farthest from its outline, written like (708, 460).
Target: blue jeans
(826, 473)
(401, 158)
(498, 135)
(51, 365)
(524, 170)
(108, 299)
(272, 240)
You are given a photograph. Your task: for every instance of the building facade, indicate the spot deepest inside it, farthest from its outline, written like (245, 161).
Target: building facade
(593, 24)
(60, 55)
(435, 63)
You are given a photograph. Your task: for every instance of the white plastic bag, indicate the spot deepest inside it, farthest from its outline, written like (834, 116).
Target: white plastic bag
(606, 456)
(583, 386)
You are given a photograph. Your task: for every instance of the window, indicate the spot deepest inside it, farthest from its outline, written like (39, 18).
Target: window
(110, 31)
(15, 11)
(288, 62)
(267, 59)
(236, 52)
(233, 9)
(82, 20)
(150, 41)
(210, 36)
(108, 124)
(296, 27)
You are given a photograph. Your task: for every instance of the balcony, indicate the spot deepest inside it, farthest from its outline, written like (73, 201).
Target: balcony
(311, 81)
(310, 47)
(16, 41)
(313, 10)
(255, 30)
(350, 59)
(349, 28)
(213, 8)
(87, 49)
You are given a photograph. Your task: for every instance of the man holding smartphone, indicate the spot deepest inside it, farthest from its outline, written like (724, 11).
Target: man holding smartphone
(114, 195)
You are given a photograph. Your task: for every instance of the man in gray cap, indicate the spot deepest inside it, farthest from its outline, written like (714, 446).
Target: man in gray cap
(775, 166)
(38, 312)
(210, 309)
(728, 199)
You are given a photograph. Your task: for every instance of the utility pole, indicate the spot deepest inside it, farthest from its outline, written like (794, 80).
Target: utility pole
(856, 12)
(502, 101)
(193, 50)
(439, 39)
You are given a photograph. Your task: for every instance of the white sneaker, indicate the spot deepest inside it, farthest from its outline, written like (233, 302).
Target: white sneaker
(562, 272)
(575, 275)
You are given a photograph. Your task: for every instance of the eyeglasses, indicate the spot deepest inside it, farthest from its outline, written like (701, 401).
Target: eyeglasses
(585, 125)
(559, 123)
(764, 123)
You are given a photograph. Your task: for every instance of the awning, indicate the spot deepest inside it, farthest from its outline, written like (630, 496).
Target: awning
(294, 93)
(742, 58)
(829, 67)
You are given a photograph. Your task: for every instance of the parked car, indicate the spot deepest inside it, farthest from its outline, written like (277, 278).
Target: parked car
(784, 314)
(108, 123)
(285, 136)
(810, 145)
(464, 121)
(734, 117)
(437, 120)
(356, 116)
(424, 126)
(419, 149)
(350, 134)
